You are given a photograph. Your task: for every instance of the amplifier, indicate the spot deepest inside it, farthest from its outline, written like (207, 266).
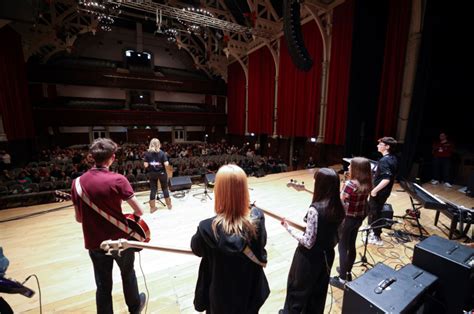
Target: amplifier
(384, 290)
(453, 264)
(180, 183)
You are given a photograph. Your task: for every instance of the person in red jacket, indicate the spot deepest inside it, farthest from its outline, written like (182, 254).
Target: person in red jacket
(442, 152)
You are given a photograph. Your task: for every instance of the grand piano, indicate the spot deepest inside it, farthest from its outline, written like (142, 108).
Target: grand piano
(425, 198)
(460, 216)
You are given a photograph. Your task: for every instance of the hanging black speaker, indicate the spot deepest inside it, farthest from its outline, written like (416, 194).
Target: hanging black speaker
(294, 37)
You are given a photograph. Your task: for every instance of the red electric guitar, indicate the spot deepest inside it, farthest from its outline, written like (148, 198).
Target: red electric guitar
(134, 226)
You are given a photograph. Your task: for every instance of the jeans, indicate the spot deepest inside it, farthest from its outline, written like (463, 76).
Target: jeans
(154, 177)
(103, 265)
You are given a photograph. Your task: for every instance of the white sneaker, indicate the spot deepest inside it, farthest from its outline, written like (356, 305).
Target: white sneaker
(375, 240)
(448, 185)
(434, 182)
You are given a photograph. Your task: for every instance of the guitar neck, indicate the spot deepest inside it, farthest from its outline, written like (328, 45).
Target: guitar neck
(278, 217)
(142, 245)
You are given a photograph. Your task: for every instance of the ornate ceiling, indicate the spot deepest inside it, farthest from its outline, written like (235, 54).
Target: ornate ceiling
(233, 28)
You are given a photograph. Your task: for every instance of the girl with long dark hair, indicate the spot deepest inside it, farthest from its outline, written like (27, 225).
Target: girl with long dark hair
(309, 272)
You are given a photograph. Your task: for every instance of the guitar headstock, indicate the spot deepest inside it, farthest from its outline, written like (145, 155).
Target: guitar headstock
(62, 196)
(299, 186)
(114, 246)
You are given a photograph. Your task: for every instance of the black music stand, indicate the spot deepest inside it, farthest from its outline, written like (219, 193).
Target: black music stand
(208, 180)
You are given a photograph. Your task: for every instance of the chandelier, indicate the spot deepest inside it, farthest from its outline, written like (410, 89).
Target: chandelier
(104, 11)
(171, 34)
(194, 28)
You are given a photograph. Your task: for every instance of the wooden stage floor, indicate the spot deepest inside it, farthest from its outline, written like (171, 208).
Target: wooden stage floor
(50, 245)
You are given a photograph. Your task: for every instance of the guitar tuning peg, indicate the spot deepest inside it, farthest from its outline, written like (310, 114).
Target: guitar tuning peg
(119, 252)
(109, 252)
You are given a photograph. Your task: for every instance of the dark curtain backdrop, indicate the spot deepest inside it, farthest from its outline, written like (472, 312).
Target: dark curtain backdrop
(235, 99)
(299, 92)
(261, 98)
(15, 105)
(394, 61)
(339, 74)
(443, 95)
(368, 43)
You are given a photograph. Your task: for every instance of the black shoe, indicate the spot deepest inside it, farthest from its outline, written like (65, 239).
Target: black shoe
(337, 282)
(348, 275)
(142, 302)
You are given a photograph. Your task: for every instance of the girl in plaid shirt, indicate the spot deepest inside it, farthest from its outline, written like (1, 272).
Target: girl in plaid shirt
(354, 198)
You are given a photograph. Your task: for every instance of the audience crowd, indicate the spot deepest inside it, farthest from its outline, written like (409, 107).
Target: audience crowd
(54, 169)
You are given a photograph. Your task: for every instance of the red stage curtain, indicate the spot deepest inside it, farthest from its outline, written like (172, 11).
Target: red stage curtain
(15, 105)
(392, 73)
(339, 74)
(235, 99)
(299, 92)
(261, 97)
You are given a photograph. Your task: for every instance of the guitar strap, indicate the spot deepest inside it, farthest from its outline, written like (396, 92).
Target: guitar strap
(249, 253)
(119, 224)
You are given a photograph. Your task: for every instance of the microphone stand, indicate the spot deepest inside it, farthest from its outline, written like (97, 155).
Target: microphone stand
(204, 194)
(363, 257)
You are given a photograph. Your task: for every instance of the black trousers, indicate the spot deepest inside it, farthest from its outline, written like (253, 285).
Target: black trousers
(103, 265)
(442, 169)
(347, 244)
(375, 213)
(308, 282)
(154, 177)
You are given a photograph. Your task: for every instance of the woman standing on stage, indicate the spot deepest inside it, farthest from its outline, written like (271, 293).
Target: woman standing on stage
(155, 163)
(232, 247)
(354, 197)
(309, 272)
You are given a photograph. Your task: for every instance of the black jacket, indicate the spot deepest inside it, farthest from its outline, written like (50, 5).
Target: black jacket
(229, 282)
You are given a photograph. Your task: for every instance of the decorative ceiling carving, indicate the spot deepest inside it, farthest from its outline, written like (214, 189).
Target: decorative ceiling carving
(59, 25)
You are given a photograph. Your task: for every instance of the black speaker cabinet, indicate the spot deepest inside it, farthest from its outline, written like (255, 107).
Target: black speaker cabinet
(453, 264)
(180, 183)
(387, 211)
(384, 290)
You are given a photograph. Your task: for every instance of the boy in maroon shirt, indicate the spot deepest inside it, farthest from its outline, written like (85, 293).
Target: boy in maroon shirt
(107, 190)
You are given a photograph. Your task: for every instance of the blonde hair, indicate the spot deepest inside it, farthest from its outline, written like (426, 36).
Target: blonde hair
(154, 145)
(360, 171)
(232, 202)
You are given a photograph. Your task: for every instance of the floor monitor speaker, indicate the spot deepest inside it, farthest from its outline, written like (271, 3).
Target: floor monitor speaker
(453, 264)
(384, 290)
(180, 183)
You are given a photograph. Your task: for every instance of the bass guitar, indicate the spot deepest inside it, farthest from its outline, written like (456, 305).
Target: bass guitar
(111, 246)
(280, 218)
(134, 226)
(298, 186)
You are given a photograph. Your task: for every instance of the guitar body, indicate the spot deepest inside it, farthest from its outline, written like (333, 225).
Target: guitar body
(139, 227)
